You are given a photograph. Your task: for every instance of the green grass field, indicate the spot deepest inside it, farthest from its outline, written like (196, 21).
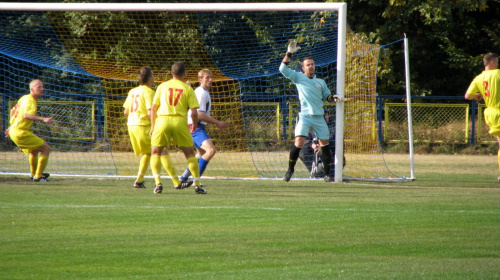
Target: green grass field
(443, 225)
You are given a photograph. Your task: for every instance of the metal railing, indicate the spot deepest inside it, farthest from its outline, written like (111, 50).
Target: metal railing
(436, 119)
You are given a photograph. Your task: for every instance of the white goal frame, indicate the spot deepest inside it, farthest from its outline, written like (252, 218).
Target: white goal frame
(341, 8)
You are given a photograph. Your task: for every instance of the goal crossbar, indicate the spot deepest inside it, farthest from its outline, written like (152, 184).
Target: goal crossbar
(177, 7)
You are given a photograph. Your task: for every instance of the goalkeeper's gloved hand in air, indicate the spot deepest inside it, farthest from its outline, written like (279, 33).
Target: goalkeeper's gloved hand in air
(292, 47)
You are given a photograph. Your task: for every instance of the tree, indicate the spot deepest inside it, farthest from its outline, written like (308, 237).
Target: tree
(447, 40)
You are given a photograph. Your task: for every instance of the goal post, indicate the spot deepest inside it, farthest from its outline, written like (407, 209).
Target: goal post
(91, 52)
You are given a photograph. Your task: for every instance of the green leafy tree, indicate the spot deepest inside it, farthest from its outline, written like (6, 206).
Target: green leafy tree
(447, 40)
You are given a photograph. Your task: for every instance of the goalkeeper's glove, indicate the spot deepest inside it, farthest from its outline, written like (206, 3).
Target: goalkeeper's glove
(292, 47)
(335, 98)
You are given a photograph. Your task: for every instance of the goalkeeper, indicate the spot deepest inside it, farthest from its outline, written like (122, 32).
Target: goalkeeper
(312, 92)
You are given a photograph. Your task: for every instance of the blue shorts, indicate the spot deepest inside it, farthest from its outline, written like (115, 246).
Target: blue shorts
(199, 136)
(316, 122)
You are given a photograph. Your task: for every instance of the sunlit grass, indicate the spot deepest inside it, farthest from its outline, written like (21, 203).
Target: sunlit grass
(444, 225)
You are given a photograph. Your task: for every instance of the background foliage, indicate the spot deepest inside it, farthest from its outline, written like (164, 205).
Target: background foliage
(447, 40)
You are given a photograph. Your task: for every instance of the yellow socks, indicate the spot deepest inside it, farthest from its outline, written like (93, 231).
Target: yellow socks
(42, 163)
(143, 167)
(33, 164)
(195, 170)
(168, 164)
(156, 168)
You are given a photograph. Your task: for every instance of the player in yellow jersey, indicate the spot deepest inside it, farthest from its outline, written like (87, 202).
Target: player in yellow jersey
(487, 86)
(138, 111)
(169, 112)
(22, 116)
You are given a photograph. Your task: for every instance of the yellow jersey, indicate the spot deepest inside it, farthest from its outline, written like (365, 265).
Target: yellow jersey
(138, 103)
(25, 105)
(174, 97)
(488, 84)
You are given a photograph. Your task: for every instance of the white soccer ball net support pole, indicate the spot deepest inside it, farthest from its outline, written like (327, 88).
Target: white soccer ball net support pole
(339, 127)
(341, 8)
(408, 107)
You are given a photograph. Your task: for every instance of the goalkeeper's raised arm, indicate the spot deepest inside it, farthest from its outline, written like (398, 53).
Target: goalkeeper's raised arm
(312, 91)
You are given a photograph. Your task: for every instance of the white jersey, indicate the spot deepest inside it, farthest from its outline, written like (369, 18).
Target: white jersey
(205, 102)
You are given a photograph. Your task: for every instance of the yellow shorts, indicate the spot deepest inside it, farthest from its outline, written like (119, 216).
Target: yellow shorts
(171, 128)
(140, 139)
(492, 118)
(25, 140)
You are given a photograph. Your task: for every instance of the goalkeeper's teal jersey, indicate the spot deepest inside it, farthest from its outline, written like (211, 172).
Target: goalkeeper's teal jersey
(312, 91)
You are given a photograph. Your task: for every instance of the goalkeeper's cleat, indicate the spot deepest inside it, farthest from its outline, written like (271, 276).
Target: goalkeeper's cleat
(498, 179)
(288, 176)
(158, 188)
(184, 184)
(329, 178)
(44, 175)
(139, 185)
(200, 190)
(40, 180)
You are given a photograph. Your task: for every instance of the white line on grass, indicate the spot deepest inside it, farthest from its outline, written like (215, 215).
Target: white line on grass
(11, 206)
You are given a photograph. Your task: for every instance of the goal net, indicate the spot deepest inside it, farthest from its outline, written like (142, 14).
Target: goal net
(89, 61)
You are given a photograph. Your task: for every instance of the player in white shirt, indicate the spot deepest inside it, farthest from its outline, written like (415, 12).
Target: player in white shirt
(204, 145)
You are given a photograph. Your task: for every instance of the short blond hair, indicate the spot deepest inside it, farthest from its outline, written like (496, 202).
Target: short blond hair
(35, 81)
(204, 72)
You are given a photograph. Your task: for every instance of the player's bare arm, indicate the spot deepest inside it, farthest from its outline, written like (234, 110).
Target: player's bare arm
(37, 118)
(477, 96)
(194, 117)
(154, 109)
(209, 119)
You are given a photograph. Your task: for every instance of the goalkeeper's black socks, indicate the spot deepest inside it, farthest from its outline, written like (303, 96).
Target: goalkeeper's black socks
(326, 156)
(294, 155)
